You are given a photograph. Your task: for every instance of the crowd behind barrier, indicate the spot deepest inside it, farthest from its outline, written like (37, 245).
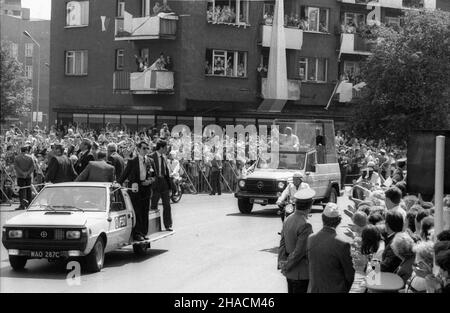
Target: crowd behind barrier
(354, 154)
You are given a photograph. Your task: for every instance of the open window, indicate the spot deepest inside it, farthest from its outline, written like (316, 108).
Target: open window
(117, 201)
(310, 162)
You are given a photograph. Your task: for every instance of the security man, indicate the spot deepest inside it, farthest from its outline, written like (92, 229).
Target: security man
(289, 192)
(292, 253)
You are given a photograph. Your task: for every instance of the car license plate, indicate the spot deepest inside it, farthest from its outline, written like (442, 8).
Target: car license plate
(260, 201)
(45, 254)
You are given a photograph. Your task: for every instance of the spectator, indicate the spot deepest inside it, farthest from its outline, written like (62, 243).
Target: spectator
(372, 243)
(423, 262)
(427, 228)
(421, 214)
(402, 245)
(394, 224)
(331, 269)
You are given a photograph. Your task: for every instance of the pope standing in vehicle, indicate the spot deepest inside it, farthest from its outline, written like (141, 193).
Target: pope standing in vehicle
(290, 191)
(292, 253)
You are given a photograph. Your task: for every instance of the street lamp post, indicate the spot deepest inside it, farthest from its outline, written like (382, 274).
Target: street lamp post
(26, 33)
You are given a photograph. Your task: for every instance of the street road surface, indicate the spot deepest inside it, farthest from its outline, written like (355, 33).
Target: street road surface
(214, 249)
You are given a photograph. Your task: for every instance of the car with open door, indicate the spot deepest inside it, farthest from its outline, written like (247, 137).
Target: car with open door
(77, 220)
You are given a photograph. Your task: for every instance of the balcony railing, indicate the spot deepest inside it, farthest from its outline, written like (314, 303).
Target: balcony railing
(355, 44)
(152, 82)
(397, 4)
(145, 28)
(294, 37)
(348, 92)
(121, 81)
(293, 89)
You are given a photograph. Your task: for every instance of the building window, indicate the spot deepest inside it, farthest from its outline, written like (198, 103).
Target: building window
(120, 59)
(14, 50)
(313, 69)
(226, 63)
(269, 9)
(29, 71)
(120, 8)
(351, 21)
(146, 10)
(77, 13)
(227, 11)
(317, 19)
(29, 49)
(351, 70)
(76, 63)
(28, 95)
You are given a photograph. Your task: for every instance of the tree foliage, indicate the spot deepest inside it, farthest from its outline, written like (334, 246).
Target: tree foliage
(408, 78)
(12, 85)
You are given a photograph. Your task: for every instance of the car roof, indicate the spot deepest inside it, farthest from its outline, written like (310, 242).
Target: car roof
(81, 184)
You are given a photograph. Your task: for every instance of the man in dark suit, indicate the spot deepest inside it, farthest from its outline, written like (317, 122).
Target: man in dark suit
(162, 186)
(98, 171)
(24, 167)
(216, 169)
(115, 159)
(137, 173)
(84, 156)
(292, 254)
(394, 224)
(60, 168)
(330, 262)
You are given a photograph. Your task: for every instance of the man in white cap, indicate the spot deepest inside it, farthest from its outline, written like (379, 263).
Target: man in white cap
(330, 262)
(290, 191)
(292, 253)
(370, 176)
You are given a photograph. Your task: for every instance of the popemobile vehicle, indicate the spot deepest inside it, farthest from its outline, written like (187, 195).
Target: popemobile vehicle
(308, 147)
(77, 220)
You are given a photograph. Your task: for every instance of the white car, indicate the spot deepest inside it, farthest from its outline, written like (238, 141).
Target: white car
(71, 220)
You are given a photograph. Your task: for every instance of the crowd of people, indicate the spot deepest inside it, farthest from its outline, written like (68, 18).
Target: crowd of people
(391, 232)
(222, 14)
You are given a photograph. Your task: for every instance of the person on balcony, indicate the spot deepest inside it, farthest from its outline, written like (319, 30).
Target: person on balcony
(157, 8)
(169, 63)
(159, 64)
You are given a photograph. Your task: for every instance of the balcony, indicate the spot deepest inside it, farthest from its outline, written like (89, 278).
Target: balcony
(121, 82)
(355, 44)
(152, 82)
(146, 28)
(294, 37)
(396, 4)
(293, 89)
(348, 92)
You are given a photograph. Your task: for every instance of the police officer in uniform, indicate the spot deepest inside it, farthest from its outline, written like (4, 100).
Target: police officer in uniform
(292, 253)
(290, 191)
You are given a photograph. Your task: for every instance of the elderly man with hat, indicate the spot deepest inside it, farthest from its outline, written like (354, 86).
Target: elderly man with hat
(292, 253)
(330, 261)
(290, 191)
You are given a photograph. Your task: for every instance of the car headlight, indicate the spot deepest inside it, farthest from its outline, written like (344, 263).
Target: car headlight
(280, 185)
(15, 233)
(242, 183)
(73, 234)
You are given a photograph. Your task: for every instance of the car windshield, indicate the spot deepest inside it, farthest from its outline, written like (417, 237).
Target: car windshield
(291, 160)
(70, 199)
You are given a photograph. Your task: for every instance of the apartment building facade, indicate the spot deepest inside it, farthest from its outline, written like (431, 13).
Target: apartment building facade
(35, 61)
(218, 48)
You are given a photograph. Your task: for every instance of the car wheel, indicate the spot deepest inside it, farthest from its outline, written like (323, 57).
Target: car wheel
(245, 206)
(140, 249)
(333, 195)
(95, 259)
(17, 262)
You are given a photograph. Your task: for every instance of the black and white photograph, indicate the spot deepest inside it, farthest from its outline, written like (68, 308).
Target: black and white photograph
(225, 153)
